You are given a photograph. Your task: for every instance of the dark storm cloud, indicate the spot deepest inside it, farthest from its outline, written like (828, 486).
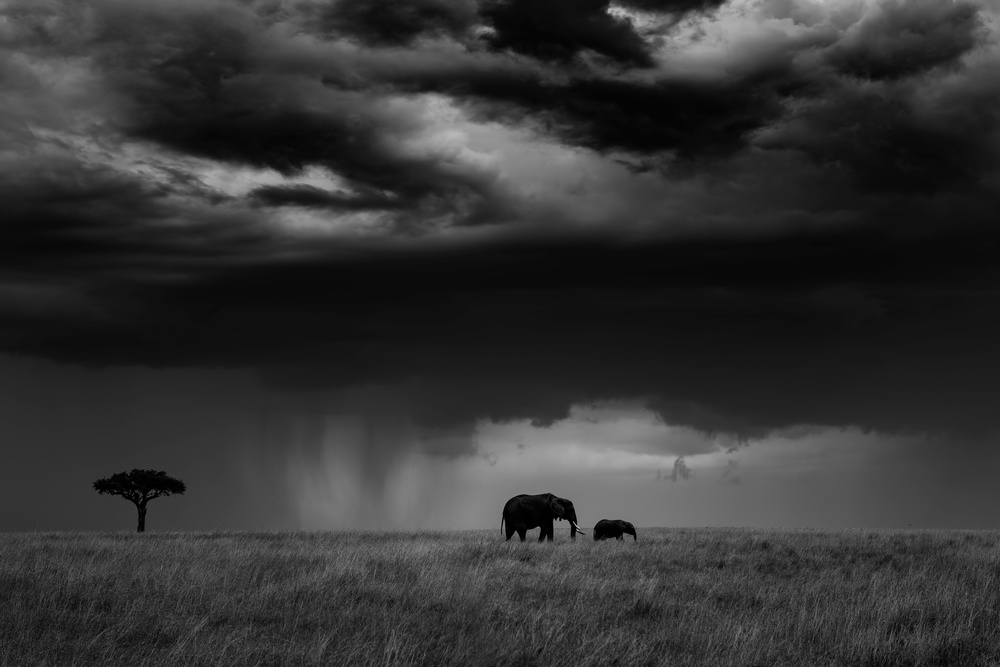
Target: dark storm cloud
(689, 116)
(672, 6)
(708, 117)
(857, 286)
(62, 217)
(900, 39)
(262, 122)
(396, 22)
(696, 120)
(202, 80)
(723, 328)
(560, 29)
(891, 139)
(312, 197)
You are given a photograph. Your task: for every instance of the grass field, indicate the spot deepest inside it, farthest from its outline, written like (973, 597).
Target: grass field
(677, 597)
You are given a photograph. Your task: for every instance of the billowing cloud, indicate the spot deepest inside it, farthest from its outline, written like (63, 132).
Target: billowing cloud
(744, 215)
(394, 23)
(310, 196)
(900, 39)
(560, 29)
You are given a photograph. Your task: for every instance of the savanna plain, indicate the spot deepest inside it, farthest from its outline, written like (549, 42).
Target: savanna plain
(676, 597)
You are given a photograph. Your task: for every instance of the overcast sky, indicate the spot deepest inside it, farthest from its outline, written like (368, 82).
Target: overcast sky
(386, 263)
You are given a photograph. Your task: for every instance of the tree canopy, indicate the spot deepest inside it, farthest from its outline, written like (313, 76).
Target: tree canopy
(139, 487)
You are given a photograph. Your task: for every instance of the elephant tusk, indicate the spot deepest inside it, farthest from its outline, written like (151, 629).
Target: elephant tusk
(579, 530)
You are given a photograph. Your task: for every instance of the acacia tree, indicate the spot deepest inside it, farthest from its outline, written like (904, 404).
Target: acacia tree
(139, 487)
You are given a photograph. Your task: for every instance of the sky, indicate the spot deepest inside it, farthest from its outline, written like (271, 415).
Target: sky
(387, 263)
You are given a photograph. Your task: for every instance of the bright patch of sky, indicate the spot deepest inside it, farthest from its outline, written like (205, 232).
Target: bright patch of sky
(618, 461)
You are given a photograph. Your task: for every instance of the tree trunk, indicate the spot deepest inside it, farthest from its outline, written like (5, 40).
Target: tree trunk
(142, 518)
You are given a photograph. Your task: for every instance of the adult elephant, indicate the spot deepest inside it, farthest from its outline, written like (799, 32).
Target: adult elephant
(524, 512)
(616, 528)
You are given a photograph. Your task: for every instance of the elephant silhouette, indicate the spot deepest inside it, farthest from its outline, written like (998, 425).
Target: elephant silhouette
(616, 528)
(524, 512)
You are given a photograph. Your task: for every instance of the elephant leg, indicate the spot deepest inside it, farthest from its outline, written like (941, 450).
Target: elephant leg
(546, 530)
(522, 532)
(510, 532)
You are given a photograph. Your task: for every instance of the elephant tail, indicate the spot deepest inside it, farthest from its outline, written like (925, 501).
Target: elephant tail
(501, 524)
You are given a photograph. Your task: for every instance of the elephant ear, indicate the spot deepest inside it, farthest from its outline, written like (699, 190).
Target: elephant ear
(557, 507)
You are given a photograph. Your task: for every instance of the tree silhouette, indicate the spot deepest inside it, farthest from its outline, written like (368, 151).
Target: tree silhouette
(139, 487)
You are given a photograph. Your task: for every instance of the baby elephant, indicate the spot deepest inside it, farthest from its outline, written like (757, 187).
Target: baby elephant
(616, 528)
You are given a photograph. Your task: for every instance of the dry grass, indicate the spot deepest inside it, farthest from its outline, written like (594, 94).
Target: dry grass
(677, 597)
